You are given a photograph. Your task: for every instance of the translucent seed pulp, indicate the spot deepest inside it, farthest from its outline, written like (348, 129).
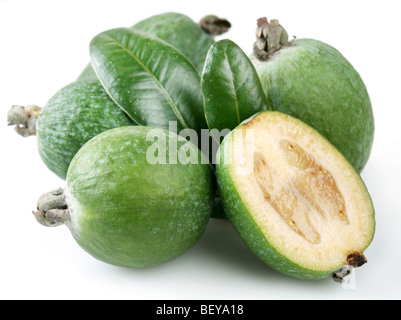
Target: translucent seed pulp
(310, 191)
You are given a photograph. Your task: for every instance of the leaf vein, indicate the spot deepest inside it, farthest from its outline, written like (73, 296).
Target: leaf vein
(233, 84)
(148, 71)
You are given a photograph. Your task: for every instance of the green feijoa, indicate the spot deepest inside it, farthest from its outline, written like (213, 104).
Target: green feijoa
(294, 199)
(314, 82)
(135, 197)
(231, 88)
(74, 115)
(149, 79)
(88, 74)
(181, 32)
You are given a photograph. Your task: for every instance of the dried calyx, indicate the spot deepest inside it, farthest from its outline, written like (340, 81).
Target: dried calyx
(24, 118)
(270, 37)
(354, 260)
(52, 209)
(214, 26)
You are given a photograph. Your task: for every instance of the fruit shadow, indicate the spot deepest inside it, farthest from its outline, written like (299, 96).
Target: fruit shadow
(221, 247)
(222, 243)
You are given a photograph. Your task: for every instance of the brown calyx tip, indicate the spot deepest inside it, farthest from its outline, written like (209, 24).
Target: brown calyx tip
(262, 22)
(356, 259)
(214, 25)
(52, 209)
(24, 119)
(270, 37)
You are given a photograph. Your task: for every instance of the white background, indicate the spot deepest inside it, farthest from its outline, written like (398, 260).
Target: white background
(44, 46)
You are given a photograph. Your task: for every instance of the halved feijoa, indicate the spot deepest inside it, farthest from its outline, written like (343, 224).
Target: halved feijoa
(293, 198)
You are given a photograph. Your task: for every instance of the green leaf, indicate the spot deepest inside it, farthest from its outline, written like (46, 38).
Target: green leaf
(148, 78)
(232, 91)
(182, 33)
(176, 29)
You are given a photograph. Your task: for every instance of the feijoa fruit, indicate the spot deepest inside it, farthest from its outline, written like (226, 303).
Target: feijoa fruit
(294, 199)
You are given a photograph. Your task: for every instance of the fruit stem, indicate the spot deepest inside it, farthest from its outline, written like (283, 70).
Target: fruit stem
(214, 26)
(52, 209)
(24, 118)
(354, 260)
(270, 37)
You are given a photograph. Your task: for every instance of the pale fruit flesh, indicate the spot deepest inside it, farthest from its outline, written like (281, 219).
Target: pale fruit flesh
(308, 202)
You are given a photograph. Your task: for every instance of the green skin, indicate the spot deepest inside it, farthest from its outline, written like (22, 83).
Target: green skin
(312, 81)
(128, 212)
(182, 33)
(176, 29)
(231, 88)
(74, 115)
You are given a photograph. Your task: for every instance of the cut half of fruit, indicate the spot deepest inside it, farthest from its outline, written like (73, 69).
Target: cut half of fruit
(293, 198)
